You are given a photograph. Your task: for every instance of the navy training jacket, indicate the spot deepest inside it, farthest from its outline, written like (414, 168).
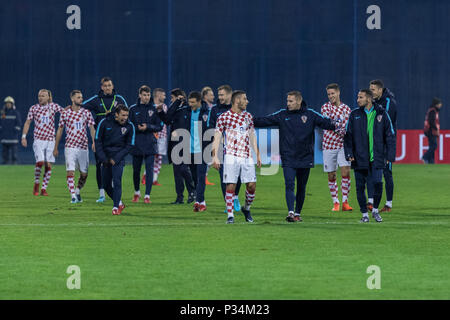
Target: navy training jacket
(387, 101)
(112, 140)
(99, 103)
(296, 137)
(146, 142)
(356, 140)
(179, 117)
(216, 111)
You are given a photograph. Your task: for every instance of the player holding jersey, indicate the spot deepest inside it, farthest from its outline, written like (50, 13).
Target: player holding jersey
(238, 132)
(333, 147)
(76, 152)
(43, 115)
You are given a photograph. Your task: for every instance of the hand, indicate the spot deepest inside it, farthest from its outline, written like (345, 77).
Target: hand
(93, 146)
(387, 161)
(24, 142)
(180, 97)
(112, 161)
(159, 108)
(258, 161)
(142, 127)
(55, 152)
(351, 159)
(216, 163)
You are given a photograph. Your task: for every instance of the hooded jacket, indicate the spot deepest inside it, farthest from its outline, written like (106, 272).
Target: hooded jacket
(100, 103)
(356, 140)
(296, 137)
(146, 142)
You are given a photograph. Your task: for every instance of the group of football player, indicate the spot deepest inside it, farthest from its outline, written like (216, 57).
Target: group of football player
(196, 133)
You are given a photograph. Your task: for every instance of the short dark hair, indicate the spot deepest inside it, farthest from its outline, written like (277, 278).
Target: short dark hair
(74, 92)
(105, 79)
(121, 107)
(225, 87)
(236, 94)
(368, 92)
(333, 86)
(378, 83)
(144, 88)
(296, 94)
(178, 92)
(195, 95)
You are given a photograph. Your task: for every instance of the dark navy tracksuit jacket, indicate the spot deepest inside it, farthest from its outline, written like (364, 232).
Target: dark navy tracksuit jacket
(356, 140)
(146, 142)
(296, 134)
(113, 141)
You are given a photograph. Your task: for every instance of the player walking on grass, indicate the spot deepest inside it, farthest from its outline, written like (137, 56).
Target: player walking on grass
(43, 115)
(101, 105)
(114, 139)
(369, 133)
(333, 148)
(296, 124)
(76, 151)
(224, 94)
(238, 132)
(146, 121)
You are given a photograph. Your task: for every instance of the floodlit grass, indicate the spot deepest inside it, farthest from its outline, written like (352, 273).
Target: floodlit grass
(164, 251)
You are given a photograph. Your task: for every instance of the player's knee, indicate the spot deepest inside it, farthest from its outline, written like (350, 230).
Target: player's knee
(251, 187)
(332, 175)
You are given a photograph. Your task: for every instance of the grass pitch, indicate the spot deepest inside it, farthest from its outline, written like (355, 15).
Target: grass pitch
(162, 251)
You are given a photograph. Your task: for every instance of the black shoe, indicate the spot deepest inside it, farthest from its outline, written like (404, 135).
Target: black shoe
(191, 198)
(248, 216)
(178, 201)
(230, 220)
(79, 198)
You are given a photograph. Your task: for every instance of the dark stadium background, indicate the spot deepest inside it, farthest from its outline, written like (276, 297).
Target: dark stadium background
(264, 47)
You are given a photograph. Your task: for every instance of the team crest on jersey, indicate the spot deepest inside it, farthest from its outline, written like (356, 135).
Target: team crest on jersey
(124, 130)
(304, 119)
(150, 113)
(205, 117)
(379, 117)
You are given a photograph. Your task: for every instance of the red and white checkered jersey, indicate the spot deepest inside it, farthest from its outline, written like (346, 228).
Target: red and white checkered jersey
(331, 139)
(44, 120)
(76, 122)
(163, 132)
(236, 128)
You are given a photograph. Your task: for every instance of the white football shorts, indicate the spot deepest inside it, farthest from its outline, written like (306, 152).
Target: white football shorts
(235, 167)
(77, 159)
(43, 150)
(334, 158)
(162, 146)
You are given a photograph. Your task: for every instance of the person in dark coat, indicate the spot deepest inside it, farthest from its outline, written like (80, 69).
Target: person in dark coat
(431, 129)
(385, 98)
(102, 105)
(369, 143)
(10, 127)
(146, 122)
(296, 123)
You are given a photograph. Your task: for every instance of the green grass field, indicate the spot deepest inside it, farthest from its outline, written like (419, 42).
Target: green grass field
(162, 251)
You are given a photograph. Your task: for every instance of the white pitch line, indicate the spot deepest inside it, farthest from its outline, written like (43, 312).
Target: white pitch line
(208, 224)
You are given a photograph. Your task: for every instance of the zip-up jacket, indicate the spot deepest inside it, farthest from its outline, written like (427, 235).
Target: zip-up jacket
(10, 125)
(356, 140)
(296, 138)
(100, 103)
(216, 111)
(387, 101)
(113, 140)
(146, 142)
(179, 117)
